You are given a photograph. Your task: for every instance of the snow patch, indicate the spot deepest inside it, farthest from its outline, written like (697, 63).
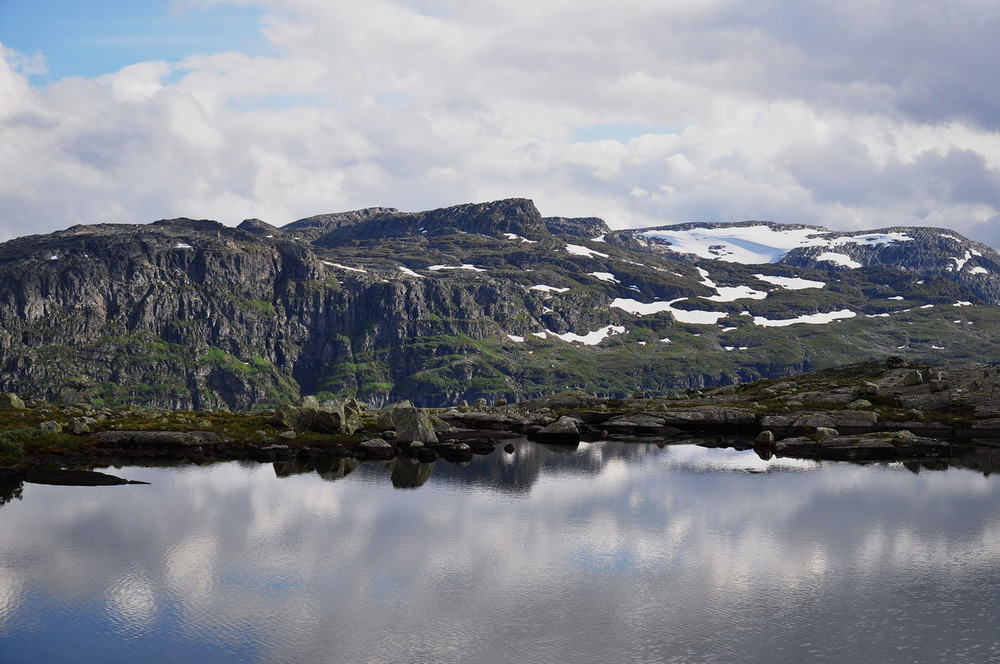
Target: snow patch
(791, 283)
(896, 297)
(599, 238)
(589, 339)
(406, 270)
(515, 236)
(344, 267)
(604, 276)
(962, 303)
(464, 266)
(182, 245)
(842, 260)
(978, 270)
(577, 250)
(681, 315)
(514, 337)
(729, 293)
(549, 289)
(810, 319)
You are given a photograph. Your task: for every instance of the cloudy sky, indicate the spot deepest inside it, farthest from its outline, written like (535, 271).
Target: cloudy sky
(854, 114)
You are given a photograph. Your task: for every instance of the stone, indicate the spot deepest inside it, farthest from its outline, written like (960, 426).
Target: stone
(825, 432)
(384, 417)
(912, 379)
(10, 401)
(50, 426)
(413, 424)
(915, 414)
(939, 385)
(564, 430)
(479, 403)
(509, 448)
(375, 444)
(288, 435)
(764, 438)
(867, 389)
(859, 404)
(77, 426)
(499, 402)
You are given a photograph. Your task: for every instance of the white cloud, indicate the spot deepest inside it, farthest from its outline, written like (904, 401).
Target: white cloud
(850, 116)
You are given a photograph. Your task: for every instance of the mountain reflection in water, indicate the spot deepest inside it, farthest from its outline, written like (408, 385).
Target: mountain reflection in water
(609, 551)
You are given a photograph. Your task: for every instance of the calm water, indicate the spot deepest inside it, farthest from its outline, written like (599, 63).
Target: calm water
(613, 552)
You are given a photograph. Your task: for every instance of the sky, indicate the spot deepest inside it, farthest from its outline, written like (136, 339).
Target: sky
(858, 114)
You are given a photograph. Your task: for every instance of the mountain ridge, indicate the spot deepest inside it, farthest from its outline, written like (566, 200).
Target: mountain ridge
(477, 300)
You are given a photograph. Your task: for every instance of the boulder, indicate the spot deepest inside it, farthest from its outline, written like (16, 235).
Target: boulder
(50, 426)
(912, 379)
(384, 417)
(10, 401)
(866, 389)
(413, 424)
(78, 426)
(565, 430)
(337, 416)
(764, 439)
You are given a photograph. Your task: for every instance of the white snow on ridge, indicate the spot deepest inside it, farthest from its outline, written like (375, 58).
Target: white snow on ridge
(604, 276)
(549, 289)
(729, 293)
(182, 245)
(515, 338)
(464, 266)
(741, 244)
(681, 315)
(515, 236)
(760, 243)
(578, 250)
(406, 270)
(791, 283)
(344, 267)
(978, 270)
(591, 338)
(599, 238)
(842, 260)
(811, 319)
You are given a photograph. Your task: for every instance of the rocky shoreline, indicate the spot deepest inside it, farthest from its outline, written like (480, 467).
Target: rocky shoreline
(873, 411)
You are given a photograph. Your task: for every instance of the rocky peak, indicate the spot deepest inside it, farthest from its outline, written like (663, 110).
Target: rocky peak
(515, 215)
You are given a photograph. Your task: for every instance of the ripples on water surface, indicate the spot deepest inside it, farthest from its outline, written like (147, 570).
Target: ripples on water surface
(609, 552)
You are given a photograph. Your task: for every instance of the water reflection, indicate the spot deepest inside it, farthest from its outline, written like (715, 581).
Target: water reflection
(608, 551)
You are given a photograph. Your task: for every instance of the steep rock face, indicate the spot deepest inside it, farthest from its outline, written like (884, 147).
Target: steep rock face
(141, 305)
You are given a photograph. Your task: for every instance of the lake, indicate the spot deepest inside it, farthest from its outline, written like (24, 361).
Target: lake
(605, 552)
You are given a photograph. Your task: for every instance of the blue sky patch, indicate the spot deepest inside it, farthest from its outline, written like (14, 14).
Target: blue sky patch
(102, 36)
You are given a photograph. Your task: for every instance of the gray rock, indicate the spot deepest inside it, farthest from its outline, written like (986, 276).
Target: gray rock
(867, 389)
(479, 403)
(764, 438)
(413, 424)
(375, 444)
(50, 426)
(859, 404)
(288, 435)
(11, 401)
(912, 379)
(78, 426)
(825, 432)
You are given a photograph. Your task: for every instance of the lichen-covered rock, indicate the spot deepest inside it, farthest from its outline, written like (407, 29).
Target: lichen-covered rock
(11, 401)
(413, 424)
(50, 426)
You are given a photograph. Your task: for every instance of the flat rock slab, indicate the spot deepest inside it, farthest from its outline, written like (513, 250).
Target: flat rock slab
(168, 440)
(875, 447)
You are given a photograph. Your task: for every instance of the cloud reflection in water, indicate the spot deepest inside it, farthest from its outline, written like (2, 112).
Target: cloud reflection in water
(609, 552)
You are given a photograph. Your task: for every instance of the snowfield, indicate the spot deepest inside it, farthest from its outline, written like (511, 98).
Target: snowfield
(758, 244)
